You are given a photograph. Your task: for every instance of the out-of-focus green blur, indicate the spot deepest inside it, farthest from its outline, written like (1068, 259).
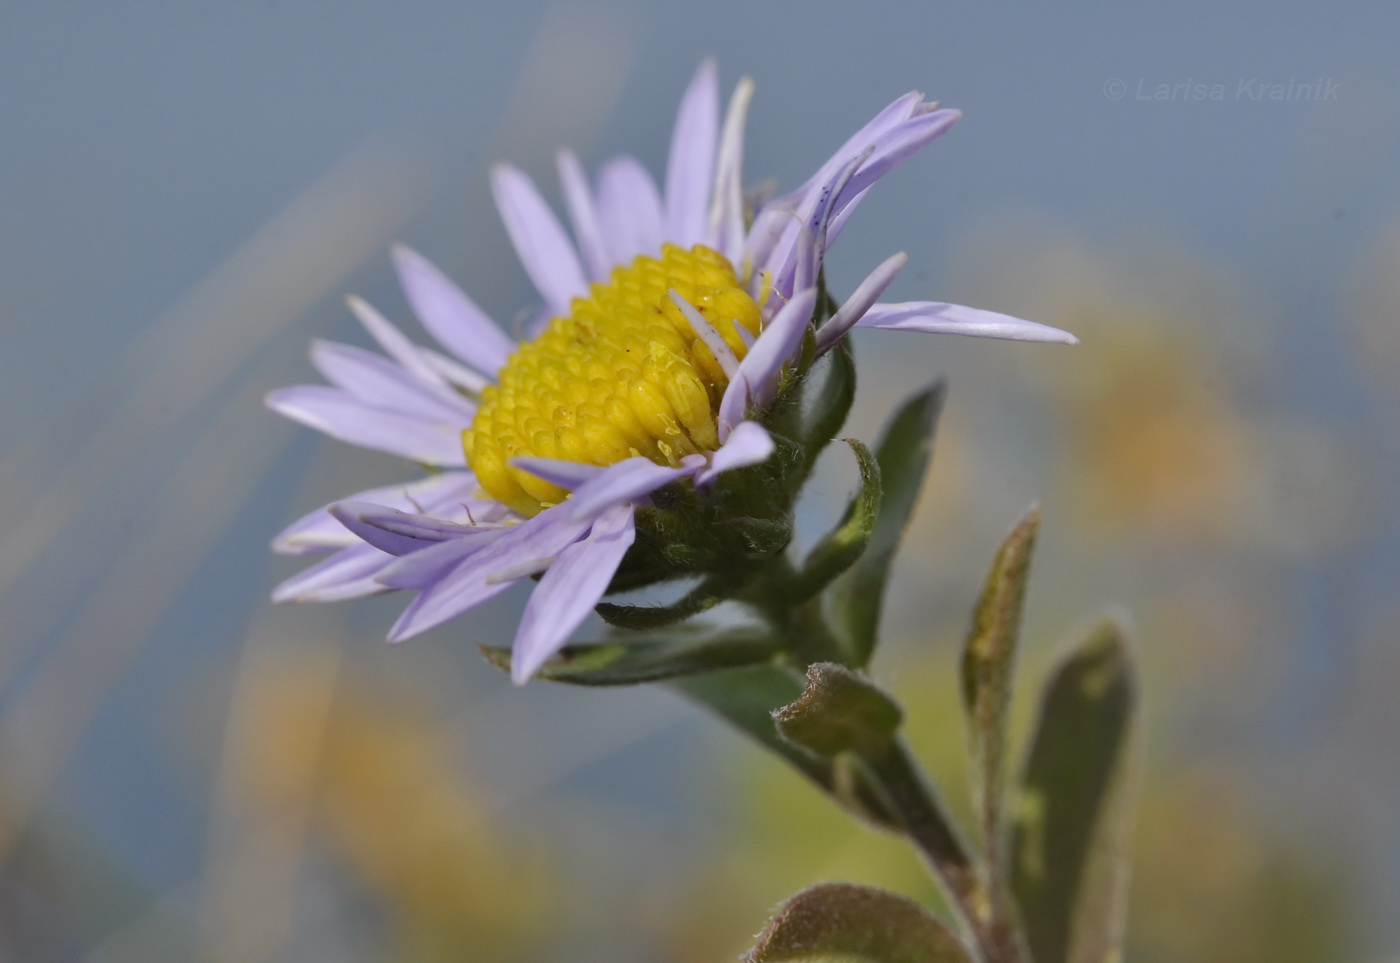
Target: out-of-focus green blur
(187, 772)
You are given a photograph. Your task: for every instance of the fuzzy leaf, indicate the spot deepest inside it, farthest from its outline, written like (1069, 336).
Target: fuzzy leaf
(839, 711)
(845, 544)
(830, 408)
(1075, 763)
(747, 698)
(650, 659)
(703, 597)
(988, 662)
(903, 454)
(859, 924)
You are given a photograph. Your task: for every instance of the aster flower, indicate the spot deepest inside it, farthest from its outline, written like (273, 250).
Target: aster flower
(670, 324)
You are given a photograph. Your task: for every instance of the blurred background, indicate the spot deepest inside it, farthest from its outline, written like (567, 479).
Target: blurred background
(187, 192)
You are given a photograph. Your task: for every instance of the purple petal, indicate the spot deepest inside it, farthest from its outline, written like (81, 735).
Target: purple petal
(707, 333)
(772, 221)
(349, 419)
(454, 578)
(626, 481)
(860, 301)
(756, 381)
(348, 574)
(566, 474)
(629, 210)
(456, 374)
(379, 382)
(690, 166)
(320, 531)
(935, 317)
(811, 239)
(888, 151)
(451, 316)
(748, 444)
(569, 590)
(394, 342)
(727, 211)
(539, 240)
(583, 214)
(402, 533)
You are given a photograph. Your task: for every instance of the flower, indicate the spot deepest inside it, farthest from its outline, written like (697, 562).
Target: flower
(667, 327)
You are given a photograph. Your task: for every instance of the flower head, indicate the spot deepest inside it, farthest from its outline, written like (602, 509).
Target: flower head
(672, 324)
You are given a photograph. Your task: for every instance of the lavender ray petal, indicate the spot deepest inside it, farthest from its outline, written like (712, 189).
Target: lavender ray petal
(394, 342)
(540, 241)
(568, 475)
(335, 413)
(773, 219)
(860, 301)
(401, 533)
(348, 574)
(811, 239)
(583, 214)
(569, 590)
(935, 317)
(455, 373)
(626, 481)
(629, 210)
(690, 164)
(319, 531)
(378, 381)
(727, 208)
(452, 582)
(449, 315)
(707, 333)
(748, 444)
(757, 376)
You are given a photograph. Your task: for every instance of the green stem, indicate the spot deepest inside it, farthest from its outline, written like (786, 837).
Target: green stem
(931, 831)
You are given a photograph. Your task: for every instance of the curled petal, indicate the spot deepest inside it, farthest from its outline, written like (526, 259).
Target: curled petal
(756, 381)
(727, 205)
(402, 533)
(320, 531)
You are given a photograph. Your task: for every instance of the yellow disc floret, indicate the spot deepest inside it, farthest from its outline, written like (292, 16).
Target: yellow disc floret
(624, 374)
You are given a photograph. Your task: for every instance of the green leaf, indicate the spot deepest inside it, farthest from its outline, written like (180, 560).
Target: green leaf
(839, 711)
(830, 408)
(860, 924)
(1075, 764)
(703, 597)
(903, 454)
(747, 698)
(841, 547)
(652, 659)
(988, 662)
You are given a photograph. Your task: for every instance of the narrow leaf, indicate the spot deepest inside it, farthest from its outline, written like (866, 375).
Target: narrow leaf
(841, 547)
(839, 711)
(652, 659)
(903, 454)
(856, 923)
(988, 662)
(703, 597)
(747, 698)
(830, 407)
(1075, 762)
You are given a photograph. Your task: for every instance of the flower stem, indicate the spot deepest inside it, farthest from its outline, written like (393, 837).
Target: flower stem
(931, 831)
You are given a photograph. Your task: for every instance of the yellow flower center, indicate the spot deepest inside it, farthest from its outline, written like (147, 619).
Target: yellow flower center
(624, 374)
